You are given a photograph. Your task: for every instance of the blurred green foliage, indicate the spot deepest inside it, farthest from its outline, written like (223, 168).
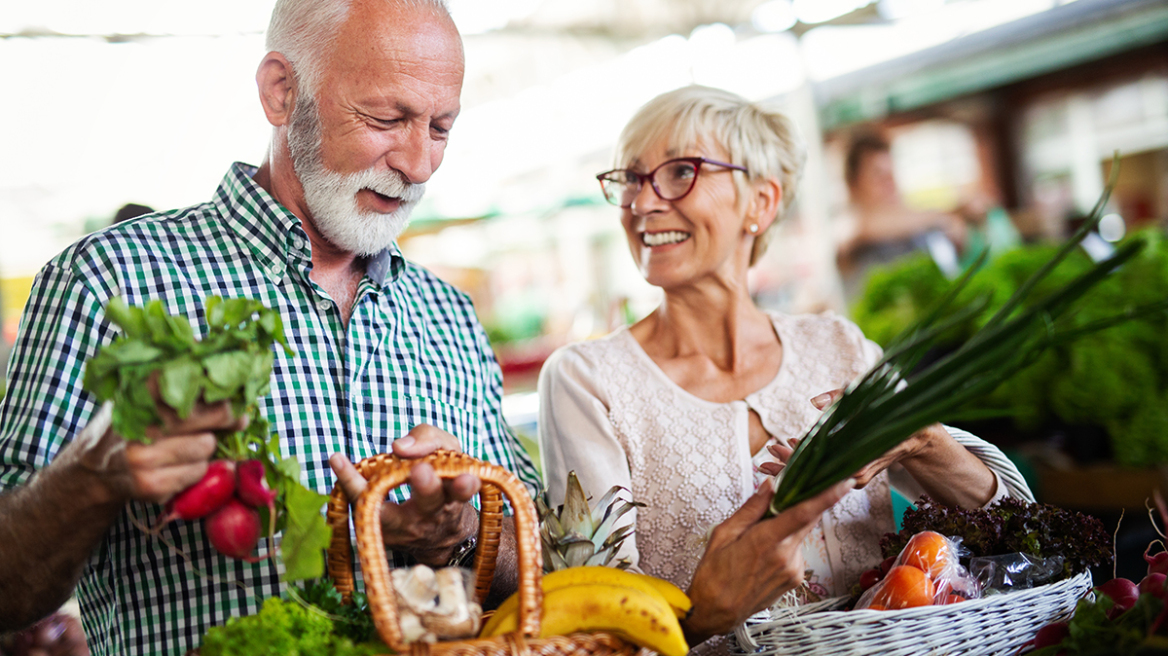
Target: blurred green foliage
(1116, 379)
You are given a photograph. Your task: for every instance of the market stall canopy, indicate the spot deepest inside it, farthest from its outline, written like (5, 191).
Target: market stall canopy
(147, 102)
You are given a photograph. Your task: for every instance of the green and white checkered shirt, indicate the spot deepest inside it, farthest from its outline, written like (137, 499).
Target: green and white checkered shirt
(413, 353)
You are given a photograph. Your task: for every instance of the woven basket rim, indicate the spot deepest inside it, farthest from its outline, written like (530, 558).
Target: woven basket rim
(898, 631)
(971, 605)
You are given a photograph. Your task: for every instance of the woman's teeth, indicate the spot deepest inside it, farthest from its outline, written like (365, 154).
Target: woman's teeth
(662, 238)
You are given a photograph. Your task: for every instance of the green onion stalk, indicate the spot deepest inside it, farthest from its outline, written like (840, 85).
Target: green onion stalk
(893, 400)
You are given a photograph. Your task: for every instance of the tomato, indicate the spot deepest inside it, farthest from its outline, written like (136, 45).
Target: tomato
(904, 587)
(929, 552)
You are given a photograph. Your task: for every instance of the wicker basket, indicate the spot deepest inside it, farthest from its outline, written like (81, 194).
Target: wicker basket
(386, 472)
(995, 625)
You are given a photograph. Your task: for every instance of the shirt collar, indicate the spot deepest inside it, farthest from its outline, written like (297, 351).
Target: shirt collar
(275, 235)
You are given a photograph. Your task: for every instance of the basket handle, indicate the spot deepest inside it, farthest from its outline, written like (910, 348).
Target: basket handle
(386, 472)
(340, 555)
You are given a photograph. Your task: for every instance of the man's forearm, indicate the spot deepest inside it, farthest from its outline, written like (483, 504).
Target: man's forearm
(48, 529)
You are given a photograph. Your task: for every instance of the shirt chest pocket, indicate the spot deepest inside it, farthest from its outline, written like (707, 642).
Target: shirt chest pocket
(458, 421)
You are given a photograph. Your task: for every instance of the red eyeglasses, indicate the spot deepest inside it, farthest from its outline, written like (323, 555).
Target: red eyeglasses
(671, 180)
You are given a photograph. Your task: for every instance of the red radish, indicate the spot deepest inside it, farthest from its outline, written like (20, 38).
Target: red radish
(203, 498)
(869, 578)
(1122, 592)
(253, 486)
(1153, 584)
(234, 530)
(1158, 563)
(887, 564)
(1051, 635)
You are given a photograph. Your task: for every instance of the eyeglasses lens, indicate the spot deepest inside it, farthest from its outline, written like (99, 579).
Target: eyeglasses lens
(672, 180)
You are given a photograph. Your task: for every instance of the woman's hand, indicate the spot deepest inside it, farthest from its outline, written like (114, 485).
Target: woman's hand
(945, 470)
(918, 443)
(749, 563)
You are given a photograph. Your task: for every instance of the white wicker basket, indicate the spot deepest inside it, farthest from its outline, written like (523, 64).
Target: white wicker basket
(995, 625)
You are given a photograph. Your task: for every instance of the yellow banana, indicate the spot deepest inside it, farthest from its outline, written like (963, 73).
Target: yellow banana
(673, 594)
(643, 618)
(670, 594)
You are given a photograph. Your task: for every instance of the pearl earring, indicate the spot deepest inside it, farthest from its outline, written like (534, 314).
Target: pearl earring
(753, 228)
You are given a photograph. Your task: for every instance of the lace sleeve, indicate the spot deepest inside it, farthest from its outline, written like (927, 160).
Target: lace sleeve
(576, 434)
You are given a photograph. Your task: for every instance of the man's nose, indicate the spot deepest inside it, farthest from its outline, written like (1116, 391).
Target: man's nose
(413, 156)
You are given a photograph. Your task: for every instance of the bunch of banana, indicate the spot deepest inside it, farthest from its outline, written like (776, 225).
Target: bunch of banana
(642, 609)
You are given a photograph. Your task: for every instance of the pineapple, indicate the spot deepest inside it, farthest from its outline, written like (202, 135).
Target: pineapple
(574, 534)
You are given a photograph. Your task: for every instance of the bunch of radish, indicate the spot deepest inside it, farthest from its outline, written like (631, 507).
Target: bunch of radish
(159, 361)
(1125, 617)
(228, 497)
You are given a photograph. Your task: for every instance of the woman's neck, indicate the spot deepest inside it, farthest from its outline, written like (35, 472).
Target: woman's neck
(721, 325)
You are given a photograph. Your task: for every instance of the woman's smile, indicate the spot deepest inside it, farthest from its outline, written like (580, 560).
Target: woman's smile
(664, 238)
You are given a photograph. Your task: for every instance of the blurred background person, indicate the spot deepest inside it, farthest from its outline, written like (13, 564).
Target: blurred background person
(130, 211)
(885, 229)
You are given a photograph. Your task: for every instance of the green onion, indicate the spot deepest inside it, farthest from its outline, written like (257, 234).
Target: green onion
(892, 401)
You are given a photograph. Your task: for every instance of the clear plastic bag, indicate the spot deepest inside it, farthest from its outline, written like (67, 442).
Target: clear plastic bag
(1014, 571)
(927, 572)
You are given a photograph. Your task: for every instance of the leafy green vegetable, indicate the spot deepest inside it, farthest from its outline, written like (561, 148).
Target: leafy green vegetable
(1008, 526)
(892, 400)
(304, 536)
(232, 362)
(283, 628)
(351, 620)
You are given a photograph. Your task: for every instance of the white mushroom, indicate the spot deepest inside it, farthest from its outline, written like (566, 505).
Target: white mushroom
(412, 629)
(416, 588)
(455, 616)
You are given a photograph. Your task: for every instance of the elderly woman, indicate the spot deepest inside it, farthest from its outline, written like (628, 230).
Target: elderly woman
(694, 406)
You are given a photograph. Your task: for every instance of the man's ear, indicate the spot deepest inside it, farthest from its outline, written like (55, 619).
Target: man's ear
(277, 88)
(767, 195)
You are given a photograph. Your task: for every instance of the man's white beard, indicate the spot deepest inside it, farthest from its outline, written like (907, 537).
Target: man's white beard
(332, 197)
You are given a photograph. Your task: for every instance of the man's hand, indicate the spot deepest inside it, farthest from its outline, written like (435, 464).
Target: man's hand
(74, 500)
(437, 516)
(175, 459)
(751, 561)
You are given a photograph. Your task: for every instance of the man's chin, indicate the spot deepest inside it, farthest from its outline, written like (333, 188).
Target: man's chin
(368, 234)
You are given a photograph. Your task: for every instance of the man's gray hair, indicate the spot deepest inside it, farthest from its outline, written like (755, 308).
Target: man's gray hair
(301, 30)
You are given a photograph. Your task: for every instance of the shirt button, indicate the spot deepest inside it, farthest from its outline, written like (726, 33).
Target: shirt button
(277, 270)
(324, 305)
(297, 242)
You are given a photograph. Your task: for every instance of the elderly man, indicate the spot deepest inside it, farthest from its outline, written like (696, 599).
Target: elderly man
(362, 95)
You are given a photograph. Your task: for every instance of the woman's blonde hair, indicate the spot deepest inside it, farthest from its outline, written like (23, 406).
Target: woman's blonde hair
(760, 138)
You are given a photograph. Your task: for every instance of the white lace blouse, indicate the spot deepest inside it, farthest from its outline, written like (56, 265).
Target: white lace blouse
(609, 413)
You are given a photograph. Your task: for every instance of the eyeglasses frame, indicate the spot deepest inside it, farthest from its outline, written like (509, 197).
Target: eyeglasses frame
(650, 177)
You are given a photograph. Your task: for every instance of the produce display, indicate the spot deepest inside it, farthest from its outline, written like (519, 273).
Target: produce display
(895, 398)
(250, 488)
(1116, 380)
